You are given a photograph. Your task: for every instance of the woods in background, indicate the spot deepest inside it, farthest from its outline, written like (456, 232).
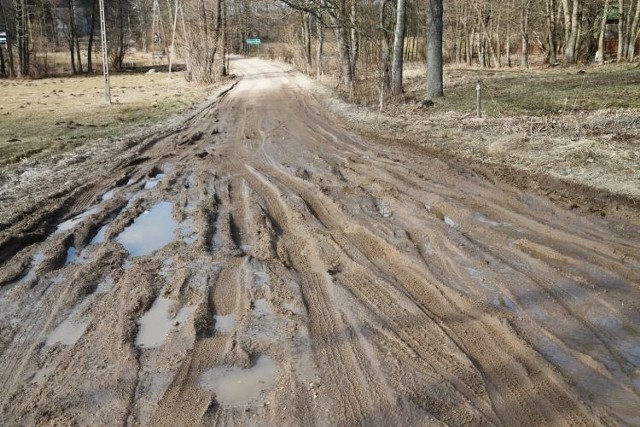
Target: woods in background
(353, 40)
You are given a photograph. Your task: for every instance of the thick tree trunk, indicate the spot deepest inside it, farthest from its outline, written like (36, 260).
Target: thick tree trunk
(621, 30)
(435, 87)
(319, 48)
(634, 31)
(91, 34)
(524, 33)
(398, 47)
(570, 48)
(343, 39)
(223, 39)
(551, 29)
(603, 26)
(305, 18)
(355, 42)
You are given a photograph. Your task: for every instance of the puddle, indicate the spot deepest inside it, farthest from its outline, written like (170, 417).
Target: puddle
(104, 286)
(451, 223)
(187, 233)
(225, 324)
(155, 325)
(261, 307)
(70, 223)
(150, 231)
(100, 237)
(38, 257)
(71, 255)
(236, 386)
(69, 331)
(384, 210)
(153, 181)
(108, 195)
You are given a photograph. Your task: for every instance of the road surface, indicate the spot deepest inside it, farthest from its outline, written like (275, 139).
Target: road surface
(263, 264)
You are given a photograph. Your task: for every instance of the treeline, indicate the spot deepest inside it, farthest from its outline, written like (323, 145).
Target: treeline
(370, 37)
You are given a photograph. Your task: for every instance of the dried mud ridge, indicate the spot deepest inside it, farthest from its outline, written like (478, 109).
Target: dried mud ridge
(262, 264)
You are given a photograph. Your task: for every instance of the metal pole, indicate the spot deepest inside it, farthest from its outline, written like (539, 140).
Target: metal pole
(105, 57)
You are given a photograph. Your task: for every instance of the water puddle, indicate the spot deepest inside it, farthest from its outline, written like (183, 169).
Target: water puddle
(153, 181)
(155, 325)
(72, 255)
(186, 232)
(108, 195)
(261, 308)
(150, 231)
(384, 210)
(236, 386)
(70, 223)
(225, 324)
(105, 286)
(38, 257)
(69, 331)
(100, 237)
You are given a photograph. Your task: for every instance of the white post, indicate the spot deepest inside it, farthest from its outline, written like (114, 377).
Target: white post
(479, 99)
(105, 57)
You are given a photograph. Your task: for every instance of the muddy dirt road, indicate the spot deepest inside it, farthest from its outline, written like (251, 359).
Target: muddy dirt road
(262, 264)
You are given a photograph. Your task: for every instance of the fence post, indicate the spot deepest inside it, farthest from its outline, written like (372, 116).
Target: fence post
(479, 99)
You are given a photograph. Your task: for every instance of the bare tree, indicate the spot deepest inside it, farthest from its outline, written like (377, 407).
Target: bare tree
(435, 87)
(398, 48)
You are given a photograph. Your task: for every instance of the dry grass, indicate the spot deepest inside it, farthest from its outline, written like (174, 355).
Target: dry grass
(583, 127)
(41, 117)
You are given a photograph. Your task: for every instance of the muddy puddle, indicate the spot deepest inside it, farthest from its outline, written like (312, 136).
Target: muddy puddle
(150, 231)
(69, 331)
(225, 324)
(38, 257)
(153, 181)
(236, 386)
(156, 324)
(71, 223)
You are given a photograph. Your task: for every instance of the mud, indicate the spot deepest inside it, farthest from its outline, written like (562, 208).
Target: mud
(261, 263)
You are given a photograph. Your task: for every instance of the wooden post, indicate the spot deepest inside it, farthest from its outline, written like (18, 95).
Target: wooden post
(479, 99)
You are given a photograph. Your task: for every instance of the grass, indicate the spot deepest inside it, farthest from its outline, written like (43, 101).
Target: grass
(53, 115)
(540, 92)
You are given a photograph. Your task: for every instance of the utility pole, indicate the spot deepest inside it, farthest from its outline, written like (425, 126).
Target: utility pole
(105, 57)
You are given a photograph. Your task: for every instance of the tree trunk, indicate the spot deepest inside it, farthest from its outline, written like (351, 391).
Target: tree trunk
(567, 21)
(603, 26)
(524, 33)
(551, 29)
(398, 47)
(634, 30)
(621, 30)
(319, 48)
(91, 31)
(570, 48)
(306, 40)
(224, 38)
(355, 42)
(435, 87)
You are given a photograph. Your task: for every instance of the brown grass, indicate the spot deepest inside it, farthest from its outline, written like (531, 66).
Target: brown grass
(40, 117)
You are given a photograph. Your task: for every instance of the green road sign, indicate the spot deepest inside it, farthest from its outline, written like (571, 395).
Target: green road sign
(254, 41)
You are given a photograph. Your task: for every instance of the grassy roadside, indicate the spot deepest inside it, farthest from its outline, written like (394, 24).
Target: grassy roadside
(54, 115)
(578, 124)
(535, 92)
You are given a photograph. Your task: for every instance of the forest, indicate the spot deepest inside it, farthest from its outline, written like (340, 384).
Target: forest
(353, 39)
